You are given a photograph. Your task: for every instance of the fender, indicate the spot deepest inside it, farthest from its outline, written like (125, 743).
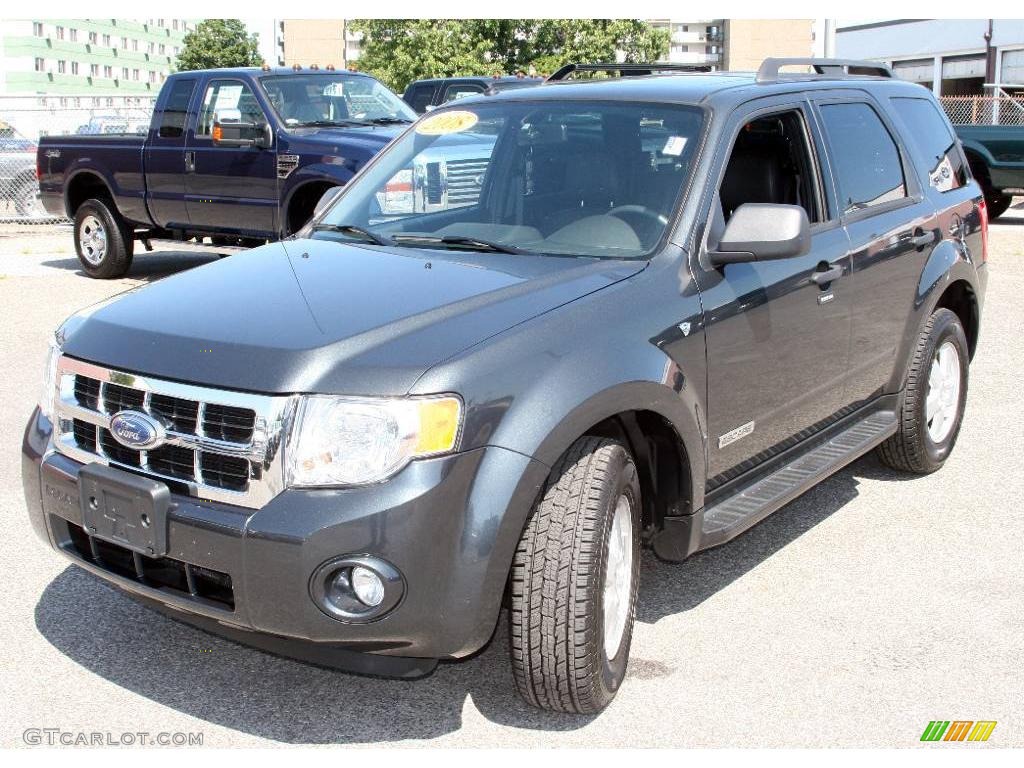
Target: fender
(129, 200)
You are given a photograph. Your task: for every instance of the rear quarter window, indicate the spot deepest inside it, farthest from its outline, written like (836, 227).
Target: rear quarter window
(931, 135)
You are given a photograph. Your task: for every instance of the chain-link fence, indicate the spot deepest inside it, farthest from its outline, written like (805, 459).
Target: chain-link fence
(23, 119)
(984, 110)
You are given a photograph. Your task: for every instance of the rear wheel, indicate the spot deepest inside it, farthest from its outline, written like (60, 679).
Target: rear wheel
(574, 581)
(932, 402)
(102, 240)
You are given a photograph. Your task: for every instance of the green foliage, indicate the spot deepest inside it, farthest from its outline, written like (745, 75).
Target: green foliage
(219, 43)
(398, 51)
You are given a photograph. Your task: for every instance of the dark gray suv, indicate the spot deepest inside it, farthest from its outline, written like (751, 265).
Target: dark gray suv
(539, 331)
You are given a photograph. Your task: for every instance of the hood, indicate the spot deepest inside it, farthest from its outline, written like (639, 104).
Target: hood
(337, 139)
(322, 316)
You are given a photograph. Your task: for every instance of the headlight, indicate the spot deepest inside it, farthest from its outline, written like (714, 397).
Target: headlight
(354, 441)
(49, 391)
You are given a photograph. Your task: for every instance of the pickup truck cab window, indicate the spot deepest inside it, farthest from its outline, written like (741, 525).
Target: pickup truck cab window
(581, 179)
(340, 99)
(175, 115)
(229, 96)
(866, 159)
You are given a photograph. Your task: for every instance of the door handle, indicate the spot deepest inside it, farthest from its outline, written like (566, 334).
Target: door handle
(190, 162)
(921, 238)
(824, 277)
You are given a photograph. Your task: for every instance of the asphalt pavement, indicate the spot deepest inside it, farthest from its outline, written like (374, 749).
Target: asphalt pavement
(852, 617)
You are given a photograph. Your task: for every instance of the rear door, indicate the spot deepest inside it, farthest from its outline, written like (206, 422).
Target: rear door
(165, 156)
(892, 228)
(232, 189)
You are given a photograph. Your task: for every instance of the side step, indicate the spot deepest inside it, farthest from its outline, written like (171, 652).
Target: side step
(727, 519)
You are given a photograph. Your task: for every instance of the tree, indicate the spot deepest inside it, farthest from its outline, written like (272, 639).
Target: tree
(398, 51)
(219, 43)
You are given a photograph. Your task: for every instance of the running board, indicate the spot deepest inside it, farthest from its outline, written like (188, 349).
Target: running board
(728, 518)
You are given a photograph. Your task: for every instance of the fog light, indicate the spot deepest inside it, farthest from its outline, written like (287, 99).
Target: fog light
(368, 586)
(357, 588)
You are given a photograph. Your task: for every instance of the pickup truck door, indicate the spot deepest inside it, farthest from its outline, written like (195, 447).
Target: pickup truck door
(164, 156)
(892, 228)
(777, 332)
(230, 189)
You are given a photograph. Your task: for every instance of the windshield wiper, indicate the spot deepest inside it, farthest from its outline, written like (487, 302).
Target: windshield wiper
(354, 231)
(329, 123)
(471, 243)
(389, 120)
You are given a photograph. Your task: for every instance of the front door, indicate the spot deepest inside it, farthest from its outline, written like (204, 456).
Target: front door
(777, 333)
(230, 189)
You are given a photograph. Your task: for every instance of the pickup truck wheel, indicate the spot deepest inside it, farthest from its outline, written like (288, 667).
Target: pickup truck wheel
(574, 581)
(996, 203)
(932, 402)
(103, 242)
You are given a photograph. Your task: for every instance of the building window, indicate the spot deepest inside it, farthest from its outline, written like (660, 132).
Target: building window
(92, 38)
(62, 67)
(96, 102)
(135, 74)
(162, 49)
(40, 65)
(73, 35)
(152, 76)
(94, 70)
(150, 48)
(78, 101)
(135, 45)
(124, 73)
(124, 43)
(60, 33)
(159, 22)
(63, 101)
(174, 25)
(74, 67)
(110, 101)
(37, 29)
(108, 71)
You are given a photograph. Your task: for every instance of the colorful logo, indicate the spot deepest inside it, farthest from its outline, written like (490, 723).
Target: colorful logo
(958, 730)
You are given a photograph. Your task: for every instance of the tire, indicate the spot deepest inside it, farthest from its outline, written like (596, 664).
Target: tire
(558, 627)
(997, 204)
(924, 440)
(103, 241)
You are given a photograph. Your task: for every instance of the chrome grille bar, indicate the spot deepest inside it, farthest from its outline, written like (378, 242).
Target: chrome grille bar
(272, 413)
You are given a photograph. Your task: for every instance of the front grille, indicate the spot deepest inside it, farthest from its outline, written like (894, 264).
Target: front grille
(219, 445)
(164, 573)
(465, 178)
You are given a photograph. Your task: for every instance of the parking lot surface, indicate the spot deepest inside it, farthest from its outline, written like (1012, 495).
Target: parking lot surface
(855, 615)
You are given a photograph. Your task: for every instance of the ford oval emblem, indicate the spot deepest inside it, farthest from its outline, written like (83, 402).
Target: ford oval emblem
(137, 430)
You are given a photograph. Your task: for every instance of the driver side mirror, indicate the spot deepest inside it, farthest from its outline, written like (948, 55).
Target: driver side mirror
(229, 130)
(763, 232)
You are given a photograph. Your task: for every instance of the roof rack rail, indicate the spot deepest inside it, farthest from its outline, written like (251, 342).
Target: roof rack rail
(624, 70)
(831, 69)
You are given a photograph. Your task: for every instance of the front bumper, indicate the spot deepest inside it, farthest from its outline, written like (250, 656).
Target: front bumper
(449, 525)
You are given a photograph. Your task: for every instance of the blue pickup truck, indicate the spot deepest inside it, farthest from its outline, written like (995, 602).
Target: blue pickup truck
(239, 156)
(996, 156)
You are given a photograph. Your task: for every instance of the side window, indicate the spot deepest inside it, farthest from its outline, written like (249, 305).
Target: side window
(866, 160)
(172, 122)
(931, 134)
(771, 162)
(461, 91)
(421, 97)
(232, 99)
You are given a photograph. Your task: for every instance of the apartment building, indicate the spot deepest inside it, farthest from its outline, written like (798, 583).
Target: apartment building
(88, 62)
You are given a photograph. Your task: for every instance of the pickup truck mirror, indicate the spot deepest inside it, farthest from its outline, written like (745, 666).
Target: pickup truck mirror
(239, 133)
(325, 200)
(761, 232)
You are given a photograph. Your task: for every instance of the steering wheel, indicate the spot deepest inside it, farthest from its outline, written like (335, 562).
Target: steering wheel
(639, 210)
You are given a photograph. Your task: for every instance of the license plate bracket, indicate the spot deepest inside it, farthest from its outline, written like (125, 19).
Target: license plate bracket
(124, 509)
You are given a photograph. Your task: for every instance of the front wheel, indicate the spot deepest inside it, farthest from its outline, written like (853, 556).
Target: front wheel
(932, 402)
(574, 581)
(103, 242)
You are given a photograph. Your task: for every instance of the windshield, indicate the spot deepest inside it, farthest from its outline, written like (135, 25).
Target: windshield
(561, 178)
(334, 100)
